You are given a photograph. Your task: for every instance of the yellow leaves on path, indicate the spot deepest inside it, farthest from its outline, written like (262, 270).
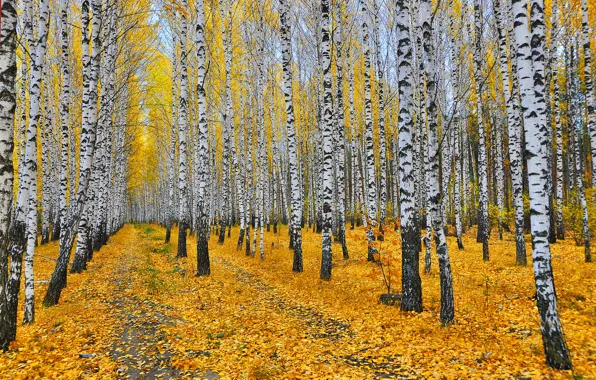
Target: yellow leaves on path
(142, 313)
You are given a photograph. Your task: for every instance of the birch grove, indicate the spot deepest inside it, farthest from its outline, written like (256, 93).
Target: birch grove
(400, 133)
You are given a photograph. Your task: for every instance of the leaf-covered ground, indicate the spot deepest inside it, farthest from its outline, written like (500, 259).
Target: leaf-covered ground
(141, 313)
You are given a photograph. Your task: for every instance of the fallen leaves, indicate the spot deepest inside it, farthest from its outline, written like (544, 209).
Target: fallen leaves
(139, 311)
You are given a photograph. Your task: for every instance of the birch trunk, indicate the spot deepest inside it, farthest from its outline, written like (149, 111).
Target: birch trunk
(8, 102)
(531, 81)
(514, 128)
(411, 283)
(371, 185)
(296, 191)
(483, 221)
(203, 264)
(447, 307)
(327, 141)
(182, 143)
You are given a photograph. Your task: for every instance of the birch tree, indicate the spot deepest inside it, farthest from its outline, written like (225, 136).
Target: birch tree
(483, 221)
(296, 191)
(530, 66)
(327, 135)
(203, 264)
(411, 282)
(8, 102)
(182, 143)
(514, 128)
(434, 197)
(371, 184)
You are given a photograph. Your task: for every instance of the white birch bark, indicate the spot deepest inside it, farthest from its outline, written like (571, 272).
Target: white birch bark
(434, 191)
(530, 73)
(90, 73)
(8, 103)
(296, 191)
(28, 197)
(483, 221)
(203, 264)
(411, 283)
(586, 34)
(327, 142)
(371, 184)
(514, 129)
(183, 177)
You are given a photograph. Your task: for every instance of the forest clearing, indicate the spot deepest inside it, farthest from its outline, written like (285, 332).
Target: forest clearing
(255, 319)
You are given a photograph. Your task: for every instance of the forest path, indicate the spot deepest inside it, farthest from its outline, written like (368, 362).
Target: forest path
(138, 311)
(143, 349)
(235, 315)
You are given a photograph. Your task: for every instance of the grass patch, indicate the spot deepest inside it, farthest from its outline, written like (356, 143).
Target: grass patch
(152, 279)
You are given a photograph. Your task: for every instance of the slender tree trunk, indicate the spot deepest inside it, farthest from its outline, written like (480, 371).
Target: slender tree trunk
(327, 139)
(171, 158)
(381, 123)
(296, 191)
(514, 128)
(586, 34)
(91, 71)
(340, 140)
(447, 307)
(530, 72)
(29, 194)
(559, 160)
(483, 221)
(8, 103)
(182, 143)
(228, 119)
(371, 184)
(411, 283)
(203, 264)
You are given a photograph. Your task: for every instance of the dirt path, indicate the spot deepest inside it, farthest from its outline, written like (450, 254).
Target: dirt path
(145, 349)
(142, 349)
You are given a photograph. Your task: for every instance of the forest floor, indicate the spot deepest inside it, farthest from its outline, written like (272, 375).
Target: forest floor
(138, 312)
